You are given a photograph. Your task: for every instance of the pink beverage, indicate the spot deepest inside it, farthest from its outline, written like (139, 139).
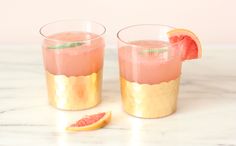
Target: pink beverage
(146, 65)
(81, 60)
(73, 62)
(150, 69)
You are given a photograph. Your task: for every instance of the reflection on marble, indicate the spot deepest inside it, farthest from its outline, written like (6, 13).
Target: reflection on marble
(206, 114)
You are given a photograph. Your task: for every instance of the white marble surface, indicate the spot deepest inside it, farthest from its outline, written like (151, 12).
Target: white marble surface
(206, 113)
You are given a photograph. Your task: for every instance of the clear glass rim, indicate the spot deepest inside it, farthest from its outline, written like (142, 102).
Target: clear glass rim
(137, 25)
(68, 20)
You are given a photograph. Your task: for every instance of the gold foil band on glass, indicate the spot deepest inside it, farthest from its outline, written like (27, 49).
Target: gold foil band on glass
(74, 92)
(149, 101)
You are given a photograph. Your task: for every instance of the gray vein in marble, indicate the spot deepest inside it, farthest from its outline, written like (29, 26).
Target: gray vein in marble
(24, 125)
(18, 109)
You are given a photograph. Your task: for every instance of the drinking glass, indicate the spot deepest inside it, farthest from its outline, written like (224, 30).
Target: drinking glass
(73, 63)
(150, 69)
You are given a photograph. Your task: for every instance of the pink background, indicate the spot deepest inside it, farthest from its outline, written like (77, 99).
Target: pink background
(214, 21)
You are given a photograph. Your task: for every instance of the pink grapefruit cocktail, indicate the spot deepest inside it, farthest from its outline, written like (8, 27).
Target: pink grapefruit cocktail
(150, 69)
(73, 60)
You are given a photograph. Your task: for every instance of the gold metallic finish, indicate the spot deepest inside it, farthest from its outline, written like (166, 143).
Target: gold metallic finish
(149, 101)
(74, 92)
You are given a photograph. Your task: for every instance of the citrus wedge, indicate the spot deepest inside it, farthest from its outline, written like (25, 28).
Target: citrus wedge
(190, 44)
(91, 122)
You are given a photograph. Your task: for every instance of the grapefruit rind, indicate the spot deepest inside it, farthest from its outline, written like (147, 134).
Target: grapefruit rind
(185, 32)
(98, 124)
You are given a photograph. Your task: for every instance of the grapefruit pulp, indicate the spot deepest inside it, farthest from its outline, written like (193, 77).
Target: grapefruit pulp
(190, 44)
(91, 122)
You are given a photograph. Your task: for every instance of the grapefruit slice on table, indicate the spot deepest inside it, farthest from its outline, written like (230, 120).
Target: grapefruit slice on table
(91, 122)
(190, 44)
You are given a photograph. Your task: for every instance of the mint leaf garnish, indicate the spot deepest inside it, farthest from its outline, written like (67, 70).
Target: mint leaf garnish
(66, 45)
(154, 50)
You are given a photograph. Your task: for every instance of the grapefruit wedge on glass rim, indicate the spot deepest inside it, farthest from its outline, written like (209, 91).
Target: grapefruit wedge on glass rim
(190, 44)
(91, 122)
